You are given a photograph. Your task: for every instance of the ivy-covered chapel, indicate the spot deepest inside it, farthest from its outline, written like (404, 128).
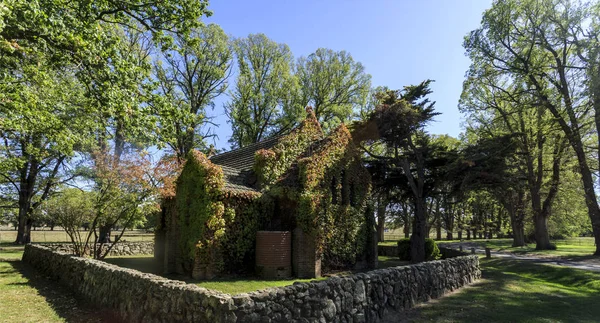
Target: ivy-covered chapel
(290, 205)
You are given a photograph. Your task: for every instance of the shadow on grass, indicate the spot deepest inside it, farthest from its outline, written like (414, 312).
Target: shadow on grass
(66, 305)
(517, 291)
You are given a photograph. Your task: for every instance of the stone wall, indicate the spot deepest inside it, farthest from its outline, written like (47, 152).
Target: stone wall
(365, 297)
(120, 249)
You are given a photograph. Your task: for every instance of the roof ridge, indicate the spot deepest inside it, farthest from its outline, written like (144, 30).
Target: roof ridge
(248, 147)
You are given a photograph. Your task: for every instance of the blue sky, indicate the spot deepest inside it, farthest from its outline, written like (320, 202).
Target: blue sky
(399, 42)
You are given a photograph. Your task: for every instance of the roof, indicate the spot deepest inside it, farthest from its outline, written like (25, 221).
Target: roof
(243, 158)
(236, 180)
(237, 165)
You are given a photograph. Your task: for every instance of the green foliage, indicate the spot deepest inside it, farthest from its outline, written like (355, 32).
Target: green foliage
(332, 193)
(265, 100)
(334, 84)
(432, 252)
(200, 212)
(243, 218)
(271, 164)
(72, 209)
(190, 77)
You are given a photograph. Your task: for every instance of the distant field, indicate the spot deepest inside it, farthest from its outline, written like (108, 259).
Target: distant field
(7, 236)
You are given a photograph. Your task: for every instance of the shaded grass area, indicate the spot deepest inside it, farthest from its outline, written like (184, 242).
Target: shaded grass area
(519, 291)
(27, 296)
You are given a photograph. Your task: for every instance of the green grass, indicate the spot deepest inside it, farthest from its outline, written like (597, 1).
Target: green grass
(26, 296)
(575, 247)
(238, 286)
(11, 252)
(518, 291)
(20, 301)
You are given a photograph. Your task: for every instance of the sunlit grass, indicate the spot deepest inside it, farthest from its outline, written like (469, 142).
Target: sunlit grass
(519, 291)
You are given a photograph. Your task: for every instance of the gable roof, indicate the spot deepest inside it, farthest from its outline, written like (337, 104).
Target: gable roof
(243, 158)
(236, 180)
(237, 165)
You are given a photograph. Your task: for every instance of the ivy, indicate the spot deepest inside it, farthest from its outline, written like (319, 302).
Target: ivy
(200, 210)
(271, 164)
(323, 179)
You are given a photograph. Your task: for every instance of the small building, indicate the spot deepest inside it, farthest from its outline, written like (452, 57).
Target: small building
(288, 205)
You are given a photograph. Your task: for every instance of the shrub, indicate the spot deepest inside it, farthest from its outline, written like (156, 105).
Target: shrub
(432, 252)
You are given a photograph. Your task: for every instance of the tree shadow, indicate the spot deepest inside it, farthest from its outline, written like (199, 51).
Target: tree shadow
(66, 304)
(519, 291)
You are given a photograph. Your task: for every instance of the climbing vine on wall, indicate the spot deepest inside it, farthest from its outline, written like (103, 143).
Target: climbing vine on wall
(200, 210)
(334, 187)
(320, 183)
(271, 164)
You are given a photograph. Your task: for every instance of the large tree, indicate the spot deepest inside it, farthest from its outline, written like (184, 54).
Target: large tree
(496, 110)
(265, 100)
(536, 44)
(334, 84)
(42, 107)
(409, 159)
(190, 77)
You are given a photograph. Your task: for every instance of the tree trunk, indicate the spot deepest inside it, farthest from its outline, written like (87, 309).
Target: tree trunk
(459, 234)
(516, 221)
(438, 231)
(542, 239)
(468, 234)
(104, 234)
(24, 224)
(406, 231)
(590, 195)
(417, 239)
(381, 208)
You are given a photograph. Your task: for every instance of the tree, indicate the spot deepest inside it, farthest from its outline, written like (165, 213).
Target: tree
(71, 208)
(42, 125)
(334, 84)
(195, 73)
(535, 44)
(499, 110)
(265, 100)
(125, 191)
(399, 123)
(41, 44)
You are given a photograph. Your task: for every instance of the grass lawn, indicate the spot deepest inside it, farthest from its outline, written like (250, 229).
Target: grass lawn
(26, 296)
(518, 291)
(564, 248)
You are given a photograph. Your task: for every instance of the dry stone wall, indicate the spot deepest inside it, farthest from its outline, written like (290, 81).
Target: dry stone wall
(120, 249)
(365, 297)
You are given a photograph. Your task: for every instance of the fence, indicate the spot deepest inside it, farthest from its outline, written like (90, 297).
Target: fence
(44, 236)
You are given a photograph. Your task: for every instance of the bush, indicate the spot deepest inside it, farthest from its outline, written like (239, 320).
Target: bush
(432, 251)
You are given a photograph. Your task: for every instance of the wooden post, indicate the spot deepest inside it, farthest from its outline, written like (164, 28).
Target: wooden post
(488, 253)
(473, 250)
